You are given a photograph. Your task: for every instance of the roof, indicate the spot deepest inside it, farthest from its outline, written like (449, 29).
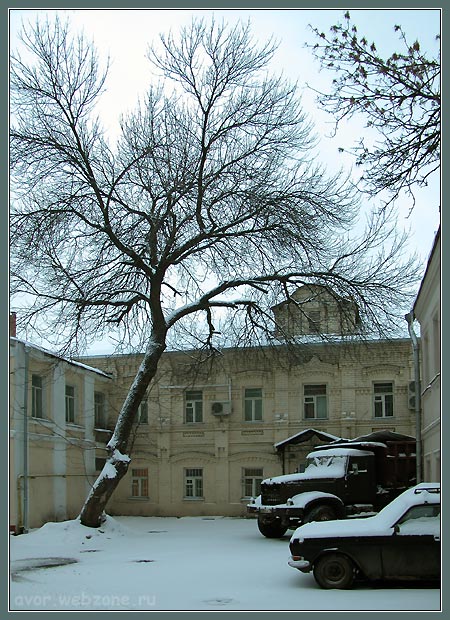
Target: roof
(383, 436)
(303, 436)
(60, 357)
(375, 440)
(427, 269)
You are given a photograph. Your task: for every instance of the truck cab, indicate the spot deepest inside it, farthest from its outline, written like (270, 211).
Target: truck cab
(339, 480)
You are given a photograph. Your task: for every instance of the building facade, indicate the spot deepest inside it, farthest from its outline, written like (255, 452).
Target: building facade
(52, 438)
(427, 310)
(210, 430)
(211, 427)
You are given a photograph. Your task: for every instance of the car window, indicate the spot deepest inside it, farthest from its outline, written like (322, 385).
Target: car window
(421, 520)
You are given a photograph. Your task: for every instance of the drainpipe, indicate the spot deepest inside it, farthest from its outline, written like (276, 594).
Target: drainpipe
(19, 525)
(283, 464)
(417, 396)
(25, 445)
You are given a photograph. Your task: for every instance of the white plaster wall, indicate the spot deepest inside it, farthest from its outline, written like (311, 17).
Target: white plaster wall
(59, 444)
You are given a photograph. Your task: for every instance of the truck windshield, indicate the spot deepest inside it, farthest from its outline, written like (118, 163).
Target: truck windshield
(329, 465)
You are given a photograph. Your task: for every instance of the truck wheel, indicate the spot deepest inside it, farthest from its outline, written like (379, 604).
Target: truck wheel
(320, 513)
(271, 529)
(334, 571)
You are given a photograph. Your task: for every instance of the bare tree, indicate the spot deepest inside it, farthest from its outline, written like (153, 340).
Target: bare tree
(210, 201)
(398, 96)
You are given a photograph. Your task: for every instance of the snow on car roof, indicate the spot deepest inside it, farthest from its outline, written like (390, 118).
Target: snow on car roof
(421, 525)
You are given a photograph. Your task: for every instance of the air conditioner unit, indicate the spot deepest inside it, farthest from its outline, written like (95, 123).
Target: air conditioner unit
(221, 408)
(412, 395)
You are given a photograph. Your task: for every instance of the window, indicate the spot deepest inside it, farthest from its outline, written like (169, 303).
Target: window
(193, 483)
(70, 404)
(315, 401)
(143, 412)
(36, 397)
(99, 463)
(421, 520)
(139, 482)
(383, 397)
(253, 405)
(99, 410)
(194, 406)
(436, 351)
(421, 511)
(424, 349)
(314, 321)
(252, 478)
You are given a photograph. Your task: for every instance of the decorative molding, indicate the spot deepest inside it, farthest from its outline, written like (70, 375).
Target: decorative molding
(387, 370)
(315, 368)
(247, 456)
(431, 427)
(205, 457)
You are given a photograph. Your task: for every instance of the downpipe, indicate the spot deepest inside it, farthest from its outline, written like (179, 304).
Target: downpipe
(417, 401)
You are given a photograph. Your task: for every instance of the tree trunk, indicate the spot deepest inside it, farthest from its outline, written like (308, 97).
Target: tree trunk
(118, 461)
(93, 510)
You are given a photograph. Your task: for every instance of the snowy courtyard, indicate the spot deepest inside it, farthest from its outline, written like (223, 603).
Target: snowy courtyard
(189, 563)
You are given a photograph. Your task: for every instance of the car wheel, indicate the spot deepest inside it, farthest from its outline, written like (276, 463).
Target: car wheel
(334, 571)
(271, 529)
(320, 513)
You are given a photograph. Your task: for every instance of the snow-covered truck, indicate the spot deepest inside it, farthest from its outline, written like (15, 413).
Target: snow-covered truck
(345, 478)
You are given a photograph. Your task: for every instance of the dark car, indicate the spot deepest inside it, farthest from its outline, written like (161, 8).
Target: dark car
(401, 542)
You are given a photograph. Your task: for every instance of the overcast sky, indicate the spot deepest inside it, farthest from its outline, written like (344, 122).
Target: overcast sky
(124, 35)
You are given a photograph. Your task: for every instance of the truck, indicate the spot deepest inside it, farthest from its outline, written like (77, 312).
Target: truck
(343, 479)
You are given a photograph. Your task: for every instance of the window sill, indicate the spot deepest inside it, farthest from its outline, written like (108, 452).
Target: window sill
(317, 419)
(45, 421)
(193, 499)
(139, 499)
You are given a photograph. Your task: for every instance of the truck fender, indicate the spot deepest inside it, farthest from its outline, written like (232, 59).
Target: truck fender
(255, 501)
(310, 499)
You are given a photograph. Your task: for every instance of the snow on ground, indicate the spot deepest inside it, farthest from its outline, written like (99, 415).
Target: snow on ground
(189, 563)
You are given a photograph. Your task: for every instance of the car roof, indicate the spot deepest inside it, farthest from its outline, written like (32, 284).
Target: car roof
(423, 493)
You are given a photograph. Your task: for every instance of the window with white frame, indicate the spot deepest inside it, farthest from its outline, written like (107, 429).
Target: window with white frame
(383, 399)
(70, 404)
(37, 400)
(99, 410)
(193, 483)
(315, 401)
(253, 402)
(139, 482)
(425, 354)
(252, 478)
(193, 406)
(143, 412)
(436, 345)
